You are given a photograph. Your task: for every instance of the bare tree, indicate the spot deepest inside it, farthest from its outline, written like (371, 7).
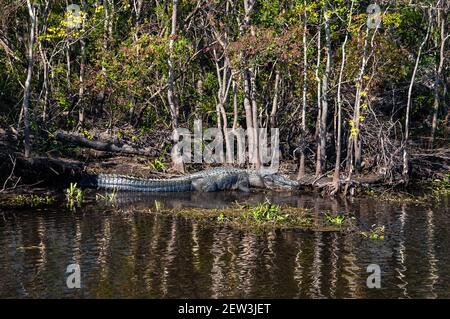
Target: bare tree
(319, 108)
(442, 17)
(26, 93)
(248, 75)
(173, 103)
(324, 96)
(337, 164)
(45, 64)
(82, 66)
(301, 171)
(405, 172)
(276, 89)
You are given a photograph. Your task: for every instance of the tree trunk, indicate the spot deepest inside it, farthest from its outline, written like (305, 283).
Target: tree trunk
(45, 64)
(235, 106)
(441, 18)
(248, 78)
(177, 160)
(255, 126)
(248, 114)
(81, 78)
(405, 172)
(357, 107)
(27, 87)
(337, 165)
(319, 99)
(273, 112)
(301, 170)
(324, 113)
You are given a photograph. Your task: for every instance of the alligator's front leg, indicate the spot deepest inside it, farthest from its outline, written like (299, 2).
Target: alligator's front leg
(220, 183)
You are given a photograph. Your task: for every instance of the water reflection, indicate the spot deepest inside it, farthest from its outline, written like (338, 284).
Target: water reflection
(131, 251)
(433, 276)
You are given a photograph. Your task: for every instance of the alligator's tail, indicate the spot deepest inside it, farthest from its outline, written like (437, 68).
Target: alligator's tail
(134, 184)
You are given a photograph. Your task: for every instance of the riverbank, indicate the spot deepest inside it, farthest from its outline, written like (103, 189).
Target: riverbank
(57, 162)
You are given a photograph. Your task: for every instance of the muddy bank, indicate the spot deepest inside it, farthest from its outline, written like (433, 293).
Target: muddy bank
(56, 162)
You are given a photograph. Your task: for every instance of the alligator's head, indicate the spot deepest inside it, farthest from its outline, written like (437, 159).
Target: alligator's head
(272, 180)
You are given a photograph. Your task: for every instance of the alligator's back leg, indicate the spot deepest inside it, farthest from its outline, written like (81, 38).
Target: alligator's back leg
(243, 187)
(204, 185)
(219, 183)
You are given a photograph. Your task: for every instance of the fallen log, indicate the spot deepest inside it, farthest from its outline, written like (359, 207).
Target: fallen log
(103, 146)
(46, 171)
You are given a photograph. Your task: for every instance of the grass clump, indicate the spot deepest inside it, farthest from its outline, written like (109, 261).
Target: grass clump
(158, 163)
(375, 233)
(338, 220)
(442, 186)
(263, 215)
(33, 200)
(397, 197)
(265, 212)
(109, 197)
(74, 196)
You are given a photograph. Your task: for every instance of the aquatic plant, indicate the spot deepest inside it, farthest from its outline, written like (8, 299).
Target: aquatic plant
(74, 195)
(221, 217)
(398, 196)
(337, 220)
(375, 233)
(33, 200)
(442, 186)
(109, 198)
(158, 205)
(265, 212)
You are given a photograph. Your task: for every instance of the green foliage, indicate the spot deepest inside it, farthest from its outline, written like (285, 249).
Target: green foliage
(442, 186)
(126, 65)
(74, 196)
(206, 102)
(109, 197)
(269, 13)
(337, 220)
(61, 100)
(158, 163)
(33, 200)
(375, 233)
(221, 217)
(265, 212)
(88, 134)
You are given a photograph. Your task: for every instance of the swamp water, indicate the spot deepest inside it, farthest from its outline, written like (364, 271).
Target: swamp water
(128, 250)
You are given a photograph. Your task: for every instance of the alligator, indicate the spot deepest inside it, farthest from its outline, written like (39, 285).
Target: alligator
(209, 180)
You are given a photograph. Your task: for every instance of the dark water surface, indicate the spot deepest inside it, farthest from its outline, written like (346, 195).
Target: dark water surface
(128, 251)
